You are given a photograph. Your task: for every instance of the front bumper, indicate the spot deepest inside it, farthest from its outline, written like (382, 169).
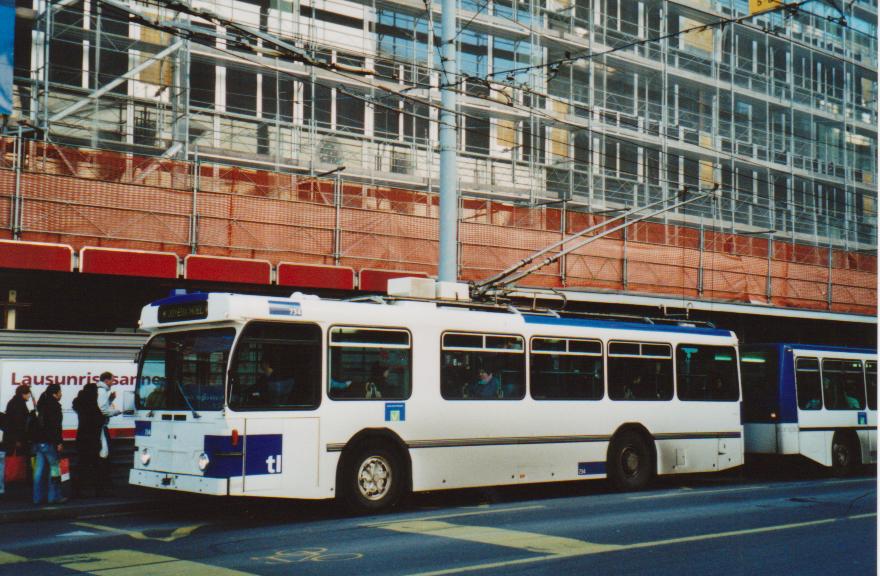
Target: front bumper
(179, 482)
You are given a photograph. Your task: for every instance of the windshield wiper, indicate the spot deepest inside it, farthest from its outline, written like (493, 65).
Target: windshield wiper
(185, 399)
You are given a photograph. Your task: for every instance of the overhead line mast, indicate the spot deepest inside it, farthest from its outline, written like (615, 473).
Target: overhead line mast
(448, 258)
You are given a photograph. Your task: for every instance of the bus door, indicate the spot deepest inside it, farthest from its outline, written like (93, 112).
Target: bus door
(281, 454)
(275, 383)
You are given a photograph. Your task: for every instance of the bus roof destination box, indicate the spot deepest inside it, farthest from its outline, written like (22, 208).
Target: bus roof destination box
(453, 291)
(411, 287)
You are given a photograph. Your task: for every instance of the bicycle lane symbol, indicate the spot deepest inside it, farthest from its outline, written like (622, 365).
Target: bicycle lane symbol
(306, 555)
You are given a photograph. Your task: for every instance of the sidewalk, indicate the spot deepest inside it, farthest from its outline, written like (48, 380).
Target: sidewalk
(16, 504)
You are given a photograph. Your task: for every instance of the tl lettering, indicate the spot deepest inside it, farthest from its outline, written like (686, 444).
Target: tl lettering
(273, 464)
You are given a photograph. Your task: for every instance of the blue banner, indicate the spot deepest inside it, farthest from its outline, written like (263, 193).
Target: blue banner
(7, 45)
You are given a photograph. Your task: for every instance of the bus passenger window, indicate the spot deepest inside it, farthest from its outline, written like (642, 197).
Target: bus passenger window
(482, 367)
(809, 392)
(566, 369)
(843, 384)
(639, 371)
(707, 373)
(871, 381)
(370, 364)
(276, 366)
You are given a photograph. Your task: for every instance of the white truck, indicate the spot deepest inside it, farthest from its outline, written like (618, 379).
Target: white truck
(70, 359)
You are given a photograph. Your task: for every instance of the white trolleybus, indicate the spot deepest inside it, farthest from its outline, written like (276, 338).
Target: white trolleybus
(819, 402)
(366, 400)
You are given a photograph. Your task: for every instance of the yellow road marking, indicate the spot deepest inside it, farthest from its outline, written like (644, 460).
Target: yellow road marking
(478, 512)
(136, 563)
(692, 492)
(530, 541)
(177, 534)
(7, 558)
(556, 548)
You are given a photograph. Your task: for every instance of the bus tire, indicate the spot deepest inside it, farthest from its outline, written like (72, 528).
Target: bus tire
(844, 454)
(629, 461)
(373, 478)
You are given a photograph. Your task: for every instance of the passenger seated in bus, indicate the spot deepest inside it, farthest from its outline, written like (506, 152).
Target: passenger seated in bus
(829, 391)
(851, 401)
(377, 381)
(488, 385)
(812, 404)
(629, 389)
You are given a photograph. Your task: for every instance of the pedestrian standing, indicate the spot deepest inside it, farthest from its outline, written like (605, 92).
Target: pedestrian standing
(15, 440)
(48, 445)
(106, 398)
(88, 439)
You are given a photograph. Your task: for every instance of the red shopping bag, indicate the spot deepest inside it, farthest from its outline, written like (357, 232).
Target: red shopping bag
(61, 470)
(16, 469)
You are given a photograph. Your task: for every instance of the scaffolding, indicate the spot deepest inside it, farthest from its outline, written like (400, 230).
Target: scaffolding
(779, 112)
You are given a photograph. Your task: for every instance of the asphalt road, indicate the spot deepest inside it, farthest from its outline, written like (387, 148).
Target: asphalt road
(706, 525)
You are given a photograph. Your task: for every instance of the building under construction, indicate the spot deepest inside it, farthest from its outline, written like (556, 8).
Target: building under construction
(274, 145)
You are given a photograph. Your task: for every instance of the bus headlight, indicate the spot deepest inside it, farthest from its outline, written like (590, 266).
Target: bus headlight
(203, 461)
(145, 456)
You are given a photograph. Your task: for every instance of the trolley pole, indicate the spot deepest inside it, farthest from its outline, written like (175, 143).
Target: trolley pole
(448, 269)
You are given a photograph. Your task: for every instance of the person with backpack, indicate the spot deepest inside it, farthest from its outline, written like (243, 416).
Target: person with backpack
(48, 445)
(88, 440)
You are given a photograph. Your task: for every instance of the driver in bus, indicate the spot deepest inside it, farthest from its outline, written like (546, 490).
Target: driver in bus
(270, 387)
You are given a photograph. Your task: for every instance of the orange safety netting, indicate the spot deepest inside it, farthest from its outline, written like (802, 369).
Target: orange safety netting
(98, 198)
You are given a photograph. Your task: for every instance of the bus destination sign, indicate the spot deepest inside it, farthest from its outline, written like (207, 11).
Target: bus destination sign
(182, 311)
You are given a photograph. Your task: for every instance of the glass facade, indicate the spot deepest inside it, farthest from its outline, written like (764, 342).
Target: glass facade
(570, 100)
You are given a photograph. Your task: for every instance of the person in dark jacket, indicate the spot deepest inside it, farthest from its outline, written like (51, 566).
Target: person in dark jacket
(47, 445)
(15, 440)
(88, 439)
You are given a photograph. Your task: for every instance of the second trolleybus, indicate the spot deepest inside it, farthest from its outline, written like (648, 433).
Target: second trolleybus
(817, 402)
(308, 398)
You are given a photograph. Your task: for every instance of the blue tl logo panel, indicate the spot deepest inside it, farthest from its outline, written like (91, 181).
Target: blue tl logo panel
(261, 452)
(143, 428)
(863, 418)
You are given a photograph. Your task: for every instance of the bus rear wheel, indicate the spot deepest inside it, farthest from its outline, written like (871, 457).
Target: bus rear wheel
(844, 455)
(373, 478)
(629, 461)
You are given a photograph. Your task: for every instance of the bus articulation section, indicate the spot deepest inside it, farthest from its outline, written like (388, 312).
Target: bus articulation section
(307, 398)
(817, 402)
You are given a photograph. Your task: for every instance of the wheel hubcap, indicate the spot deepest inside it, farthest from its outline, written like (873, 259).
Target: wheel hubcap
(374, 478)
(630, 462)
(841, 455)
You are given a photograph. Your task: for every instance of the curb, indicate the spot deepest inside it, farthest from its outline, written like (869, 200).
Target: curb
(79, 508)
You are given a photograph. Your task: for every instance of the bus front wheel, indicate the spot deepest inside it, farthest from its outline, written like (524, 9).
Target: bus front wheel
(629, 461)
(844, 455)
(372, 478)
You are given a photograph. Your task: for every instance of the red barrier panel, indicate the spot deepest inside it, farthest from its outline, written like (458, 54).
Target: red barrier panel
(127, 262)
(315, 276)
(216, 269)
(36, 256)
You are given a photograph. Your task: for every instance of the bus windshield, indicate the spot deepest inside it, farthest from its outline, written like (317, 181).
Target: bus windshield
(184, 370)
